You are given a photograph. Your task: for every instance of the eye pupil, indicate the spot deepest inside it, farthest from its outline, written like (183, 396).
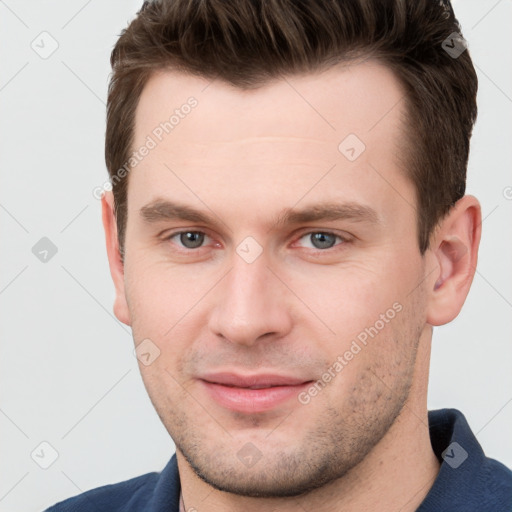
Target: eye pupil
(194, 237)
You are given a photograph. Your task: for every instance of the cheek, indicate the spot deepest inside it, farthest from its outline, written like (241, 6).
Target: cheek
(351, 297)
(164, 305)
(377, 361)
(160, 296)
(372, 316)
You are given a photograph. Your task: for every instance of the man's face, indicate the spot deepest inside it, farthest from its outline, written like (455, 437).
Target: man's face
(246, 302)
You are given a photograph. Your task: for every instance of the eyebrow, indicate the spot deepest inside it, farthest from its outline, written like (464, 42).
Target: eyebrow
(164, 210)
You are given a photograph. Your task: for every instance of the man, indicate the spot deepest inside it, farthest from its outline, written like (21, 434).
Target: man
(287, 224)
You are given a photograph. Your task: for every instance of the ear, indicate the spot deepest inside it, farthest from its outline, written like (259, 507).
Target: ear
(454, 250)
(114, 257)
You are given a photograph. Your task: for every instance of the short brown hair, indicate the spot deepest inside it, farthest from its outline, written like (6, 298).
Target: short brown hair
(248, 42)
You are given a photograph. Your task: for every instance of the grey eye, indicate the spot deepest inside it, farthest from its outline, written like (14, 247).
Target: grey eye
(322, 240)
(191, 239)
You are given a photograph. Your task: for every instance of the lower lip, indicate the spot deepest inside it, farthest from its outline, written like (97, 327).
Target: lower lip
(252, 400)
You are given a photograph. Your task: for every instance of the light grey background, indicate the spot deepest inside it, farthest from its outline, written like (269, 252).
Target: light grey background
(68, 374)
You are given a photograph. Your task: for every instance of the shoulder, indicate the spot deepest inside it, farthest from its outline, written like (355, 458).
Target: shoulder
(127, 496)
(497, 479)
(152, 492)
(468, 480)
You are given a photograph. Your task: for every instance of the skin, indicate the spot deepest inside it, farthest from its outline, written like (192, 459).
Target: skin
(243, 157)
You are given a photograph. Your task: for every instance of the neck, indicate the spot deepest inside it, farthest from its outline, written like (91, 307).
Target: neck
(396, 475)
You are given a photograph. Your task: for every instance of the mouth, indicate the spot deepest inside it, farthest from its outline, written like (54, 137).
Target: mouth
(252, 393)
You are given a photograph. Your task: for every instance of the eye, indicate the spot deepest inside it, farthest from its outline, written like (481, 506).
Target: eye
(189, 239)
(322, 239)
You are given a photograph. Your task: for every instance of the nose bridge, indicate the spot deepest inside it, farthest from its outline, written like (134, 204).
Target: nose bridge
(249, 302)
(247, 282)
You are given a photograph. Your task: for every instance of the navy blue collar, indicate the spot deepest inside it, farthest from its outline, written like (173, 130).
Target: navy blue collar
(467, 479)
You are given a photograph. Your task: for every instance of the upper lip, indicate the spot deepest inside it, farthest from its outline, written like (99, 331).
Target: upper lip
(250, 381)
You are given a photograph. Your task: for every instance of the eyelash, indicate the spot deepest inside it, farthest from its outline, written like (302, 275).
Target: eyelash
(344, 239)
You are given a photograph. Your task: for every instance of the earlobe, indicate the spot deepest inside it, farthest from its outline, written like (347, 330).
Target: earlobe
(116, 265)
(454, 249)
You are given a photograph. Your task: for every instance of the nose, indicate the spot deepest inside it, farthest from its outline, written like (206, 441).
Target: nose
(251, 304)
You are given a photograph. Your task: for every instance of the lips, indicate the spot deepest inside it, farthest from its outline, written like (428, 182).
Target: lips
(252, 381)
(252, 393)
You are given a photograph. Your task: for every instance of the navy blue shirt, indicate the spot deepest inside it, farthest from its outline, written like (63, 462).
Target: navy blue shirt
(468, 481)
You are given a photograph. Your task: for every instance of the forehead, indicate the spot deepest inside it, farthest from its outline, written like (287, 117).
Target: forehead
(348, 98)
(216, 138)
